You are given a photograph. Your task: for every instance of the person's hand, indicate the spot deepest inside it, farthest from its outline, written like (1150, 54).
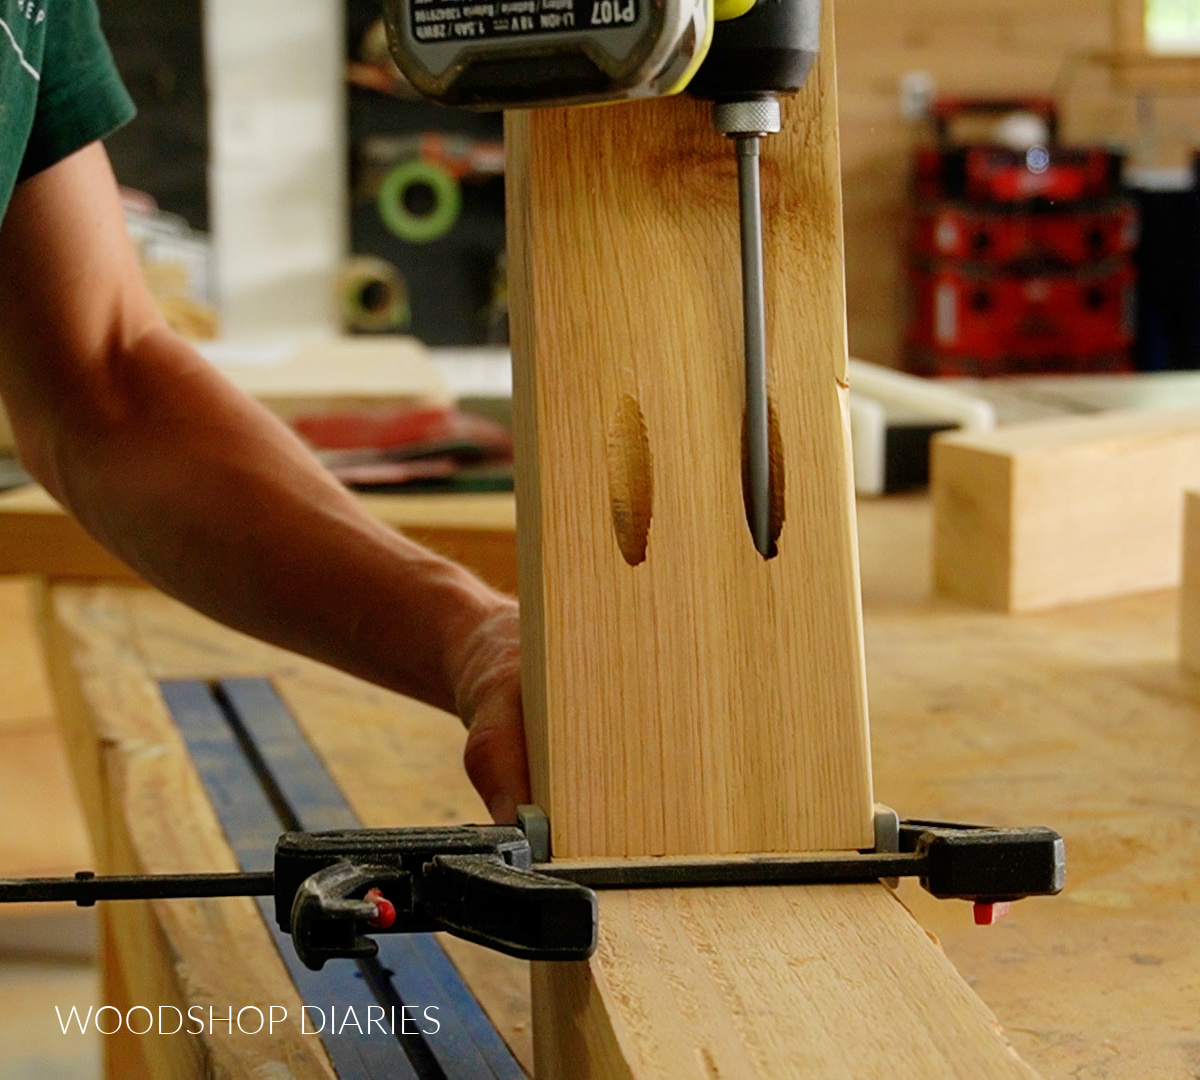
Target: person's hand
(487, 693)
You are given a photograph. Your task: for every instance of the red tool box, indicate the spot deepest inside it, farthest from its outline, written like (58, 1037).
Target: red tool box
(971, 320)
(1003, 236)
(1018, 261)
(987, 173)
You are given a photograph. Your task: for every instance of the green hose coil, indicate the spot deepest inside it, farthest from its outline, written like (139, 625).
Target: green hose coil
(403, 222)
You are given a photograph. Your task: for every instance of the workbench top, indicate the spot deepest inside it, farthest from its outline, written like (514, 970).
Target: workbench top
(1079, 719)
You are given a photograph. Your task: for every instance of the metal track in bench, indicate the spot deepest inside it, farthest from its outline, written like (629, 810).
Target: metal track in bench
(263, 778)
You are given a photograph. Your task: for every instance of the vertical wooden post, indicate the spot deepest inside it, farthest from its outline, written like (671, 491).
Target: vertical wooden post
(1129, 28)
(683, 695)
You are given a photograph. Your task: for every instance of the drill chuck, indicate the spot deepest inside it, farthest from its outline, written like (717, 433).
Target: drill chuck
(750, 116)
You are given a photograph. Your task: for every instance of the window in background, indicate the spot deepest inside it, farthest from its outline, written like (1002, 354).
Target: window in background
(1173, 26)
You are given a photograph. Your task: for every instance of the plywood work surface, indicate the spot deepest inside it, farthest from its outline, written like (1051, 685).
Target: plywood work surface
(1079, 719)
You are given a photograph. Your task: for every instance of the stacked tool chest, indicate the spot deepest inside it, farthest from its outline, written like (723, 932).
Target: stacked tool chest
(1019, 261)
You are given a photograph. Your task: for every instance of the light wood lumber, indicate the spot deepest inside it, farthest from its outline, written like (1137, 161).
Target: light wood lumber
(702, 700)
(1061, 511)
(130, 764)
(683, 695)
(38, 537)
(398, 763)
(25, 698)
(1189, 596)
(827, 983)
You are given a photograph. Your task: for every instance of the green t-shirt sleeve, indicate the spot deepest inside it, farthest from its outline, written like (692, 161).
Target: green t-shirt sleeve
(80, 96)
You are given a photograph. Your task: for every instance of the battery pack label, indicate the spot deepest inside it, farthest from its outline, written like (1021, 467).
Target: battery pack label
(465, 20)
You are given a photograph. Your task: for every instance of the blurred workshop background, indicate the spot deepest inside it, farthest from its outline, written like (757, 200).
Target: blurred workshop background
(1021, 222)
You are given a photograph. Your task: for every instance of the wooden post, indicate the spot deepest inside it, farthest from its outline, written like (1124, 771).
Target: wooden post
(1129, 27)
(682, 694)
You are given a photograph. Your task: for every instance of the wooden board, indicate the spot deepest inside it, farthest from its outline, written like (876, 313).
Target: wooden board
(38, 537)
(397, 761)
(1189, 597)
(827, 983)
(682, 694)
(1056, 512)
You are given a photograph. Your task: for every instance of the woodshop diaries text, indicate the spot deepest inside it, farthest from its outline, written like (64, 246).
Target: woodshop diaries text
(251, 1020)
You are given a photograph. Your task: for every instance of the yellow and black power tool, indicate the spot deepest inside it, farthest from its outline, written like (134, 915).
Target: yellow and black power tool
(740, 54)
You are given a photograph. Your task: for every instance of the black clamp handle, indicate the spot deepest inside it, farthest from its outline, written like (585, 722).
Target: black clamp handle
(986, 865)
(475, 882)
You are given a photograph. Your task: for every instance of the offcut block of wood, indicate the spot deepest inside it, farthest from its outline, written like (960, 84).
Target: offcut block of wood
(1189, 600)
(1055, 512)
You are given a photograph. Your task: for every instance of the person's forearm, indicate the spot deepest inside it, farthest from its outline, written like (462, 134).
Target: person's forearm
(213, 500)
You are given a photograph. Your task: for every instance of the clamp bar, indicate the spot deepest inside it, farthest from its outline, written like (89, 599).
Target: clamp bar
(850, 869)
(85, 888)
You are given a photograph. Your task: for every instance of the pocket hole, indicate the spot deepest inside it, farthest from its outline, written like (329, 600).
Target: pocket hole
(777, 478)
(630, 480)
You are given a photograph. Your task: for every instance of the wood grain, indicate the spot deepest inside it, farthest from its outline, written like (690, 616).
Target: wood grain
(1055, 512)
(130, 763)
(701, 699)
(817, 983)
(397, 761)
(1189, 595)
(1079, 718)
